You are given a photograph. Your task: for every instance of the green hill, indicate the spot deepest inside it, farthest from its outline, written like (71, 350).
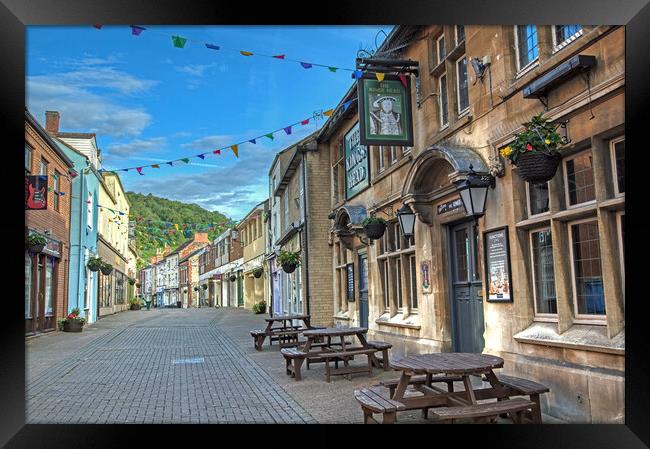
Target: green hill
(156, 218)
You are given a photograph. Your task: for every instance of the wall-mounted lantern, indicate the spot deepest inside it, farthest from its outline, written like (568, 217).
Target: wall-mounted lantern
(473, 192)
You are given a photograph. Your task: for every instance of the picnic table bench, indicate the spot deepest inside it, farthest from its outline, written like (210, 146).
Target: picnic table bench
(373, 402)
(286, 333)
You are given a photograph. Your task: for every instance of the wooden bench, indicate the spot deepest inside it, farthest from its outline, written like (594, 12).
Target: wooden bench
(372, 401)
(525, 387)
(383, 347)
(345, 356)
(482, 412)
(258, 337)
(294, 359)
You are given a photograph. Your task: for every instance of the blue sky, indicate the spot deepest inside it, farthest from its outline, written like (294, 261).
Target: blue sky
(150, 102)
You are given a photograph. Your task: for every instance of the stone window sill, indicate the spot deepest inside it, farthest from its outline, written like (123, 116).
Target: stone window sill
(411, 322)
(342, 316)
(579, 336)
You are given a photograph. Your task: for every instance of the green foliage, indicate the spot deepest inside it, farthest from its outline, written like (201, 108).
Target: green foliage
(289, 257)
(259, 307)
(158, 210)
(258, 270)
(135, 301)
(373, 220)
(36, 239)
(75, 311)
(539, 136)
(95, 262)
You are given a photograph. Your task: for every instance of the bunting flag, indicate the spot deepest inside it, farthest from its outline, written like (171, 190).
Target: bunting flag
(139, 169)
(380, 76)
(136, 30)
(328, 112)
(252, 141)
(287, 130)
(217, 151)
(179, 42)
(234, 150)
(332, 69)
(306, 65)
(304, 122)
(170, 163)
(186, 160)
(155, 166)
(347, 104)
(212, 47)
(246, 53)
(176, 226)
(270, 136)
(279, 56)
(202, 156)
(357, 74)
(99, 27)
(402, 78)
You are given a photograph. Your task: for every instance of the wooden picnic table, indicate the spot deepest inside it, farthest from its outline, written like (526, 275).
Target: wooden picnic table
(286, 333)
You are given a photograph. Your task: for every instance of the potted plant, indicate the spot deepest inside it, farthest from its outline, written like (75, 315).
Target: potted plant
(289, 260)
(36, 243)
(233, 278)
(137, 284)
(131, 281)
(73, 322)
(258, 271)
(265, 216)
(94, 263)
(106, 268)
(259, 307)
(535, 150)
(135, 304)
(374, 227)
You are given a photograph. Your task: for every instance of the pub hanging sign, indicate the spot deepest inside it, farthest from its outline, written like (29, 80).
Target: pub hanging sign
(357, 164)
(35, 192)
(385, 110)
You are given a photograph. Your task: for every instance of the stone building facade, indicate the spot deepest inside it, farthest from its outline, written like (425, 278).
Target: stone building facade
(253, 233)
(565, 324)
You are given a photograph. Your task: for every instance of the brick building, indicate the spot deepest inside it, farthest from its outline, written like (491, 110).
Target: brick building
(562, 322)
(46, 273)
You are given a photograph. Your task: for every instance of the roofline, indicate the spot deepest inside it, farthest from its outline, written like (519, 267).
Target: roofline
(48, 139)
(121, 185)
(251, 212)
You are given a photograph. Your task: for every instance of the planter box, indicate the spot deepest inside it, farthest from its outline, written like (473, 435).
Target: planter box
(72, 326)
(136, 307)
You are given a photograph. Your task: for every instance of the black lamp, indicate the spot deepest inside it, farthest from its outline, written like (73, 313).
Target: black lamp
(473, 192)
(406, 219)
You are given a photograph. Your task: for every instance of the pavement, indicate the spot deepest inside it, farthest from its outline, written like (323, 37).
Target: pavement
(182, 366)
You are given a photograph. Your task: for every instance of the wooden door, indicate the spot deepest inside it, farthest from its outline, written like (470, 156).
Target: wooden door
(466, 291)
(363, 290)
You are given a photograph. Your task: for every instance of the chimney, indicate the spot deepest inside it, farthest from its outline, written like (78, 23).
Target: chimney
(52, 121)
(201, 237)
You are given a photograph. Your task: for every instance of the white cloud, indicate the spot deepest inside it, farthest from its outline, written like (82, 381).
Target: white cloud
(136, 147)
(196, 69)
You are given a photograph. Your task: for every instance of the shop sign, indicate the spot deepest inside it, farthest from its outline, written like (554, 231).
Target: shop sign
(497, 265)
(449, 206)
(216, 277)
(425, 271)
(35, 192)
(357, 164)
(52, 247)
(350, 270)
(385, 110)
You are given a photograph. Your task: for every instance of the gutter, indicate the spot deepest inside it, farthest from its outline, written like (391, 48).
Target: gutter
(303, 149)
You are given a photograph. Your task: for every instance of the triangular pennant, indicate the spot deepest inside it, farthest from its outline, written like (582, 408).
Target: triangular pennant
(380, 76)
(179, 42)
(328, 112)
(139, 169)
(126, 169)
(304, 122)
(332, 69)
(252, 141)
(202, 156)
(279, 56)
(171, 163)
(306, 65)
(270, 136)
(346, 105)
(155, 166)
(234, 150)
(402, 78)
(357, 74)
(212, 47)
(186, 160)
(287, 130)
(98, 26)
(246, 53)
(136, 30)
(217, 151)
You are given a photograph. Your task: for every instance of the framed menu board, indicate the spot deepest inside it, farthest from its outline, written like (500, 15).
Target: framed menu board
(350, 269)
(496, 253)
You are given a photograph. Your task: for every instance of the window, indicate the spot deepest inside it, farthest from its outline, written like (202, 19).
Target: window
(440, 48)
(565, 34)
(588, 292)
(442, 91)
(43, 167)
(384, 279)
(413, 294)
(396, 267)
(543, 272)
(461, 79)
(460, 34)
(49, 290)
(618, 165)
(28, 286)
(526, 45)
(28, 159)
(537, 198)
(398, 283)
(381, 158)
(55, 186)
(340, 258)
(119, 288)
(393, 154)
(579, 179)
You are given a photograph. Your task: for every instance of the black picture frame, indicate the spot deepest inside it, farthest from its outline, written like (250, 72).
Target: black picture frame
(503, 230)
(349, 268)
(393, 79)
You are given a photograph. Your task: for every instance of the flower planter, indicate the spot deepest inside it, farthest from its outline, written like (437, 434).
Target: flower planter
(260, 309)
(258, 274)
(35, 249)
(233, 278)
(72, 326)
(136, 306)
(374, 230)
(537, 167)
(106, 270)
(289, 267)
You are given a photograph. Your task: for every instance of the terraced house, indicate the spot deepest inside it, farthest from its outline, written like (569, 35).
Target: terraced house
(555, 309)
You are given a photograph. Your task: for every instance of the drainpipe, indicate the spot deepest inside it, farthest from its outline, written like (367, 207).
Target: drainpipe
(305, 227)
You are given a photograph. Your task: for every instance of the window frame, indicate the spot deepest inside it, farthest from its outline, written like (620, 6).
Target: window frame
(521, 70)
(581, 318)
(557, 46)
(387, 256)
(456, 63)
(565, 174)
(440, 86)
(621, 248)
(456, 34)
(56, 185)
(528, 202)
(539, 316)
(413, 282)
(29, 150)
(612, 152)
(381, 163)
(43, 163)
(444, 43)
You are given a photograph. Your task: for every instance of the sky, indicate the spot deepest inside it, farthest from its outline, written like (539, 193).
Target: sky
(150, 102)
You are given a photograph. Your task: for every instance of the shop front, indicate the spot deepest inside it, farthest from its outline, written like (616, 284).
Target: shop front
(112, 288)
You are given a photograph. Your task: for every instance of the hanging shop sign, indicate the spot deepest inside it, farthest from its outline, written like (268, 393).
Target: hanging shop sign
(385, 110)
(35, 192)
(357, 164)
(350, 270)
(425, 271)
(497, 265)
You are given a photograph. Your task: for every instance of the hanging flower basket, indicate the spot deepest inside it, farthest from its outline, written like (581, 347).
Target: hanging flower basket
(196, 289)
(289, 260)
(131, 281)
(205, 286)
(535, 150)
(289, 267)
(257, 272)
(106, 268)
(94, 263)
(233, 278)
(36, 243)
(374, 227)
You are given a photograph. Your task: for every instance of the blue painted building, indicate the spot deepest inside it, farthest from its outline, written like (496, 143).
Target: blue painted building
(83, 283)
